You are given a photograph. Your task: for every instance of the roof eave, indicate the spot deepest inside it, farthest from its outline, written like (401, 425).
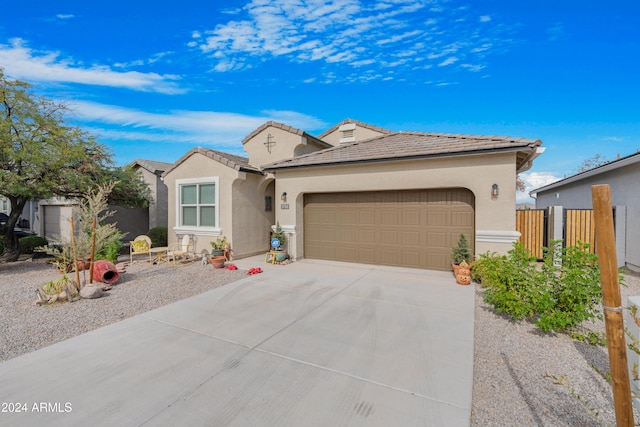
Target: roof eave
(267, 168)
(616, 164)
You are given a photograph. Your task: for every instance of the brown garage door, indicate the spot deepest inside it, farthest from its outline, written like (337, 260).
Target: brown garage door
(413, 228)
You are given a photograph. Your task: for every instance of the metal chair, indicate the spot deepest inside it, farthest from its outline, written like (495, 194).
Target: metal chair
(141, 245)
(182, 251)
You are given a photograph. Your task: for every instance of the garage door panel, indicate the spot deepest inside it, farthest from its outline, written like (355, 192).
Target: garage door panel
(366, 255)
(414, 228)
(388, 217)
(367, 236)
(409, 238)
(346, 217)
(434, 258)
(411, 217)
(437, 219)
(367, 217)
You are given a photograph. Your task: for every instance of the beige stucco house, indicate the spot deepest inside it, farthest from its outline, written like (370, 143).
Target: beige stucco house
(356, 193)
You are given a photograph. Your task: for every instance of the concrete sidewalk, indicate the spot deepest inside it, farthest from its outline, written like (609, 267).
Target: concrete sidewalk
(307, 344)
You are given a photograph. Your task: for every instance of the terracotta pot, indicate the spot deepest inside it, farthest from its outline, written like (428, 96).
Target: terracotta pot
(463, 279)
(217, 261)
(83, 265)
(105, 272)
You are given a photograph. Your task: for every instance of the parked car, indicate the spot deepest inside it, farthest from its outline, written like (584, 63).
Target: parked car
(20, 231)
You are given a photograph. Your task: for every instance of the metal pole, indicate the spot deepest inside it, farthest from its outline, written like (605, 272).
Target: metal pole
(612, 304)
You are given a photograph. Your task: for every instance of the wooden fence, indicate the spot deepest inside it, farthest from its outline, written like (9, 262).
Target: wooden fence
(577, 225)
(532, 225)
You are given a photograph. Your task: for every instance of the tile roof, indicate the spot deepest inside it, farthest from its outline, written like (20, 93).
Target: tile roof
(287, 129)
(238, 163)
(152, 165)
(357, 123)
(410, 145)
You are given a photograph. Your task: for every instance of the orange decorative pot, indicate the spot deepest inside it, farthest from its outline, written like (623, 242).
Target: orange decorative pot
(217, 261)
(105, 272)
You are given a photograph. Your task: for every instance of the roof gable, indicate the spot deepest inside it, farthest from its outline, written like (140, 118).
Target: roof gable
(152, 166)
(356, 123)
(232, 161)
(286, 128)
(413, 145)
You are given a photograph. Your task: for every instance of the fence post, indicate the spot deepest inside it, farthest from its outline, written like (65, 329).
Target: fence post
(612, 304)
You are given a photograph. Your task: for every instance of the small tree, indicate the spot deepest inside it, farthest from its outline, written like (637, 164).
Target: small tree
(94, 205)
(462, 251)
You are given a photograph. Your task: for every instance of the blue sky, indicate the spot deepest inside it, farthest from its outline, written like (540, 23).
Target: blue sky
(154, 79)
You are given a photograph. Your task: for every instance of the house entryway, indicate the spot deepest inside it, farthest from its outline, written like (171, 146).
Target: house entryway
(407, 228)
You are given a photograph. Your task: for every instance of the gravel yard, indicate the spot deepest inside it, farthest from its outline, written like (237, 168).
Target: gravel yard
(521, 376)
(26, 327)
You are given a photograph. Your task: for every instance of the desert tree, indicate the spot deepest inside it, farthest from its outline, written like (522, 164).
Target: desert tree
(41, 156)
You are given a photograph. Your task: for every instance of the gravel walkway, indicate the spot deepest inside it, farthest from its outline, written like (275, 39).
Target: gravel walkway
(521, 376)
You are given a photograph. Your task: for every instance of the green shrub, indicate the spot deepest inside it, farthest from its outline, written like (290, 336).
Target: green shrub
(29, 243)
(111, 252)
(158, 236)
(559, 296)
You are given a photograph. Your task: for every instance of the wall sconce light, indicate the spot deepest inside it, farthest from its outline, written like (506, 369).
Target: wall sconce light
(283, 197)
(495, 191)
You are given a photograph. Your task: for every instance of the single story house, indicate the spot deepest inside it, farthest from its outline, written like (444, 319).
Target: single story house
(356, 193)
(574, 192)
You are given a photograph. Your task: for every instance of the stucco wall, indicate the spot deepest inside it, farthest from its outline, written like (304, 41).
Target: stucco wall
(199, 166)
(282, 147)
(242, 216)
(158, 206)
(251, 222)
(623, 183)
(495, 218)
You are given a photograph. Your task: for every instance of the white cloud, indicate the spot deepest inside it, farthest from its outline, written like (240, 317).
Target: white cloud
(353, 33)
(65, 16)
(200, 127)
(450, 60)
(21, 62)
(532, 181)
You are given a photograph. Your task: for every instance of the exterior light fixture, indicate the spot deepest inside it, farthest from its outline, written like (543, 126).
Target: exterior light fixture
(495, 191)
(283, 197)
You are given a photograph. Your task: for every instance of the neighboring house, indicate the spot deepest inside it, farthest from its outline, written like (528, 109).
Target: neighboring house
(152, 174)
(52, 215)
(357, 193)
(623, 176)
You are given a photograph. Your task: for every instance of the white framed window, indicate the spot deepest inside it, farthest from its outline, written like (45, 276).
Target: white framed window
(198, 205)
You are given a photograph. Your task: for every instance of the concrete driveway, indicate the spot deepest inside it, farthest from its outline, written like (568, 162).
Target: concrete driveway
(308, 344)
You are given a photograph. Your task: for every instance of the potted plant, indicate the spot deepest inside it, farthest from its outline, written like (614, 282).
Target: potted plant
(218, 246)
(278, 240)
(218, 249)
(461, 258)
